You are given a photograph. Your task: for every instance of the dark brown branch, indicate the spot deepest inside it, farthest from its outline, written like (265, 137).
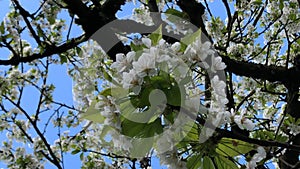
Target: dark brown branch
(153, 6)
(259, 15)
(245, 99)
(111, 7)
(48, 52)
(259, 71)
(195, 10)
(228, 12)
(230, 134)
(291, 156)
(54, 159)
(96, 3)
(265, 143)
(42, 92)
(26, 14)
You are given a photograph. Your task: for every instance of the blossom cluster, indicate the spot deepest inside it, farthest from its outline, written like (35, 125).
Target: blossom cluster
(132, 70)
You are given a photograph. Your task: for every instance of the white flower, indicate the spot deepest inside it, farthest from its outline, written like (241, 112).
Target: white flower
(171, 159)
(107, 112)
(217, 64)
(131, 79)
(27, 50)
(147, 42)
(155, 52)
(228, 115)
(249, 125)
(162, 43)
(199, 51)
(260, 155)
(176, 46)
(243, 122)
(122, 61)
(105, 101)
(145, 65)
(218, 86)
(193, 105)
(222, 117)
(294, 129)
(219, 89)
(222, 100)
(202, 49)
(120, 141)
(142, 15)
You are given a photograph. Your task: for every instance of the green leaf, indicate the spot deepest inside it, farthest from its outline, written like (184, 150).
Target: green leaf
(141, 147)
(157, 82)
(282, 138)
(193, 134)
(2, 29)
(174, 15)
(127, 108)
(78, 50)
(224, 163)
(231, 147)
(171, 91)
(75, 151)
(170, 87)
(63, 58)
(81, 156)
(135, 47)
(106, 92)
(51, 20)
(257, 2)
(207, 163)
(281, 4)
(174, 95)
(147, 116)
(194, 162)
(182, 47)
(117, 92)
(141, 130)
(40, 31)
(169, 115)
(93, 114)
(108, 77)
(189, 39)
(156, 36)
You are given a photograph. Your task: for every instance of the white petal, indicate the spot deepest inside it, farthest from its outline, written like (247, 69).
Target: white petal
(238, 121)
(120, 57)
(176, 46)
(130, 56)
(249, 125)
(147, 42)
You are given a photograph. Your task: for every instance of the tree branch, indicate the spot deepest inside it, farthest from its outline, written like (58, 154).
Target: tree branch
(263, 72)
(48, 52)
(54, 159)
(265, 143)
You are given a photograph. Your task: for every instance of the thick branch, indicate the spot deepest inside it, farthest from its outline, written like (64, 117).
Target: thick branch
(265, 143)
(263, 72)
(290, 158)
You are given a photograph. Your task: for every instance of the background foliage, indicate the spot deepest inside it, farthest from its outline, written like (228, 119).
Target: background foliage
(256, 110)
